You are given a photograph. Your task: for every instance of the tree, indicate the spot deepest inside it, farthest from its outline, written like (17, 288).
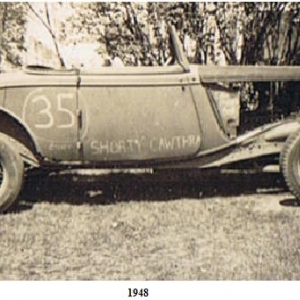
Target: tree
(118, 28)
(246, 33)
(137, 31)
(269, 32)
(269, 35)
(12, 31)
(47, 22)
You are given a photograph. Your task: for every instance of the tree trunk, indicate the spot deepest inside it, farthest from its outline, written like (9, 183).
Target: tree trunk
(54, 38)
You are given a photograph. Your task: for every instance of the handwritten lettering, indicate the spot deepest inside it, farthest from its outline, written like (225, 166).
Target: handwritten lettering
(49, 112)
(153, 144)
(113, 147)
(60, 147)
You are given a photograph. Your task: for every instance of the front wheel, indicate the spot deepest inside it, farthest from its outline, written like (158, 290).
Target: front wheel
(11, 173)
(290, 163)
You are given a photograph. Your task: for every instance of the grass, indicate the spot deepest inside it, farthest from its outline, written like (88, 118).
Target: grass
(138, 230)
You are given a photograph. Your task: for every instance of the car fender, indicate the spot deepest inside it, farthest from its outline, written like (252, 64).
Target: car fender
(263, 141)
(21, 136)
(281, 132)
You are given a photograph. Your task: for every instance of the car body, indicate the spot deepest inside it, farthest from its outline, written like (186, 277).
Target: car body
(181, 116)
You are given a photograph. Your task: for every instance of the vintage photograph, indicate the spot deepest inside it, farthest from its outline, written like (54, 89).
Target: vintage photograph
(149, 141)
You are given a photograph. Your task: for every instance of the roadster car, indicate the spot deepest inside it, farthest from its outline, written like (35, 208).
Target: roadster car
(181, 116)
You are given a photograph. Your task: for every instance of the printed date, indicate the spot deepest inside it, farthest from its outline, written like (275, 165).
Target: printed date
(138, 292)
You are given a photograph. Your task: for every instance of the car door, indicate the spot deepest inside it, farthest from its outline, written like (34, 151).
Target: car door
(46, 102)
(137, 114)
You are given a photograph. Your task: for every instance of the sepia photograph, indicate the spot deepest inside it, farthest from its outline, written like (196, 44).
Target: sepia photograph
(149, 141)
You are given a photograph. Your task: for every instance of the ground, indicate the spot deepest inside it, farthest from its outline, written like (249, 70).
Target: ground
(148, 227)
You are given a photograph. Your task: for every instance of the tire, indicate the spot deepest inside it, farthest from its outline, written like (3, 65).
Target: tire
(290, 163)
(11, 173)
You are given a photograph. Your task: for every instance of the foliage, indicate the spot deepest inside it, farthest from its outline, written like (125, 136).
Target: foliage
(136, 32)
(245, 33)
(12, 29)
(270, 36)
(270, 32)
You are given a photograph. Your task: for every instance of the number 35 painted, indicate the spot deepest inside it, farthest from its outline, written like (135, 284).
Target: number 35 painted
(46, 114)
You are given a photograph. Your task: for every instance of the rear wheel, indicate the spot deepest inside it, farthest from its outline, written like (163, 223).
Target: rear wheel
(290, 163)
(11, 173)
